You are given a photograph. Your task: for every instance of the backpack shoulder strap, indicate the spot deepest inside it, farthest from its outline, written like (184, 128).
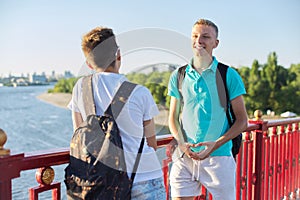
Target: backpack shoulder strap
(180, 77)
(223, 91)
(87, 95)
(120, 99)
(138, 158)
(221, 76)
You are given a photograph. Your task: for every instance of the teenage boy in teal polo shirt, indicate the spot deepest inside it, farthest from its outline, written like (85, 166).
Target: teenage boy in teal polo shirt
(205, 157)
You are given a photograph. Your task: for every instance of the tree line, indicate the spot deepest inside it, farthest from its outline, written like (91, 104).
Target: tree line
(269, 86)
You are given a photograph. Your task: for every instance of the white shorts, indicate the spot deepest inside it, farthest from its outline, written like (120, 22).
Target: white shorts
(216, 174)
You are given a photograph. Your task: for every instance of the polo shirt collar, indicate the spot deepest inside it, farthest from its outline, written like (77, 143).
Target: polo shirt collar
(212, 67)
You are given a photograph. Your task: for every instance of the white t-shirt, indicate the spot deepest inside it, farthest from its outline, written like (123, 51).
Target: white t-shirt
(139, 107)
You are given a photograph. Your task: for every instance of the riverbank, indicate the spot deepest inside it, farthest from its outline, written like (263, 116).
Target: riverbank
(62, 100)
(57, 99)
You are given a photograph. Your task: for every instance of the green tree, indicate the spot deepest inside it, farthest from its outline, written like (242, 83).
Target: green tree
(270, 75)
(294, 74)
(138, 78)
(168, 98)
(157, 91)
(244, 73)
(257, 89)
(64, 86)
(291, 92)
(156, 82)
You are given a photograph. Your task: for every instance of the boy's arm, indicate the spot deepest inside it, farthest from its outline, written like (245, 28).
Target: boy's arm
(149, 131)
(240, 124)
(174, 120)
(175, 129)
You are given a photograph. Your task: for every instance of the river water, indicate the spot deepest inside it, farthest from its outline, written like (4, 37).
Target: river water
(33, 125)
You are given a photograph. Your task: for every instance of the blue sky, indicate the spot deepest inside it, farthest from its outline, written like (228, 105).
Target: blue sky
(45, 35)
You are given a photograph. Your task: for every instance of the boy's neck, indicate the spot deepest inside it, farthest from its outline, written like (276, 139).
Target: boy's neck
(200, 63)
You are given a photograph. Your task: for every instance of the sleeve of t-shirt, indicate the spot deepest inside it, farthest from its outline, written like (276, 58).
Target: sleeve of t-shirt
(149, 106)
(235, 84)
(76, 93)
(172, 86)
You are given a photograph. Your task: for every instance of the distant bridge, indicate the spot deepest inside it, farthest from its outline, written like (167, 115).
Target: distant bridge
(155, 67)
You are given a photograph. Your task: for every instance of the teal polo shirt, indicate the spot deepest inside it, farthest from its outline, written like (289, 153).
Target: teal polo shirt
(203, 117)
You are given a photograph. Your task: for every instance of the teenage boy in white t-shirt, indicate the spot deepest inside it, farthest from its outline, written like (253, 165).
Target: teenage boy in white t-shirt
(103, 56)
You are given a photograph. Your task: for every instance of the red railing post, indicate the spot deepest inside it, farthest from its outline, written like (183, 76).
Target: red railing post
(278, 164)
(289, 178)
(165, 169)
(238, 174)
(55, 187)
(45, 176)
(282, 160)
(273, 163)
(266, 165)
(250, 166)
(244, 168)
(258, 150)
(294, 164)
(297, 159)
(170, 147)
(9, 169)
(5, 189)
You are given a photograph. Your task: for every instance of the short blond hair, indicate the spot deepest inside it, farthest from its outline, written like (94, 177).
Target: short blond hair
(98, 55)
(207, 23)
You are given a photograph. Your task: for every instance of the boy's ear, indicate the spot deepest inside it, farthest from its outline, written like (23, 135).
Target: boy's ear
(118, 55)
(89, 65)
(217, 43)
(119, 58)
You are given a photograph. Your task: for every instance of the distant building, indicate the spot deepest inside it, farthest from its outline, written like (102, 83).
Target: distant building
(68, 74)
(37, 79)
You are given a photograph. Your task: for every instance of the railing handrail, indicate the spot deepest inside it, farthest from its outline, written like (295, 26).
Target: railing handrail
(279, 122)
(46, 158)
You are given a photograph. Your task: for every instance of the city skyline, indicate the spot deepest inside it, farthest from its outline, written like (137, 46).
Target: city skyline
(44, 36)
(26, 74)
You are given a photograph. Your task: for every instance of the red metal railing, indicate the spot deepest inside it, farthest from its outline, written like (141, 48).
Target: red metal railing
(268, 165)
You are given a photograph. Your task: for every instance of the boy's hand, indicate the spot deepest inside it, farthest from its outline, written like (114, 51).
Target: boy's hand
(209, 148)
(186, 148)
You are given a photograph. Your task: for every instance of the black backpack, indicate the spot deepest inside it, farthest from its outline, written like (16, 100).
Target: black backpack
(97, 168)
(224, 99)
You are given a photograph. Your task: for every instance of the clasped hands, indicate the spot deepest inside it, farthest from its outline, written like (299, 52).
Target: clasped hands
(209, 148)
